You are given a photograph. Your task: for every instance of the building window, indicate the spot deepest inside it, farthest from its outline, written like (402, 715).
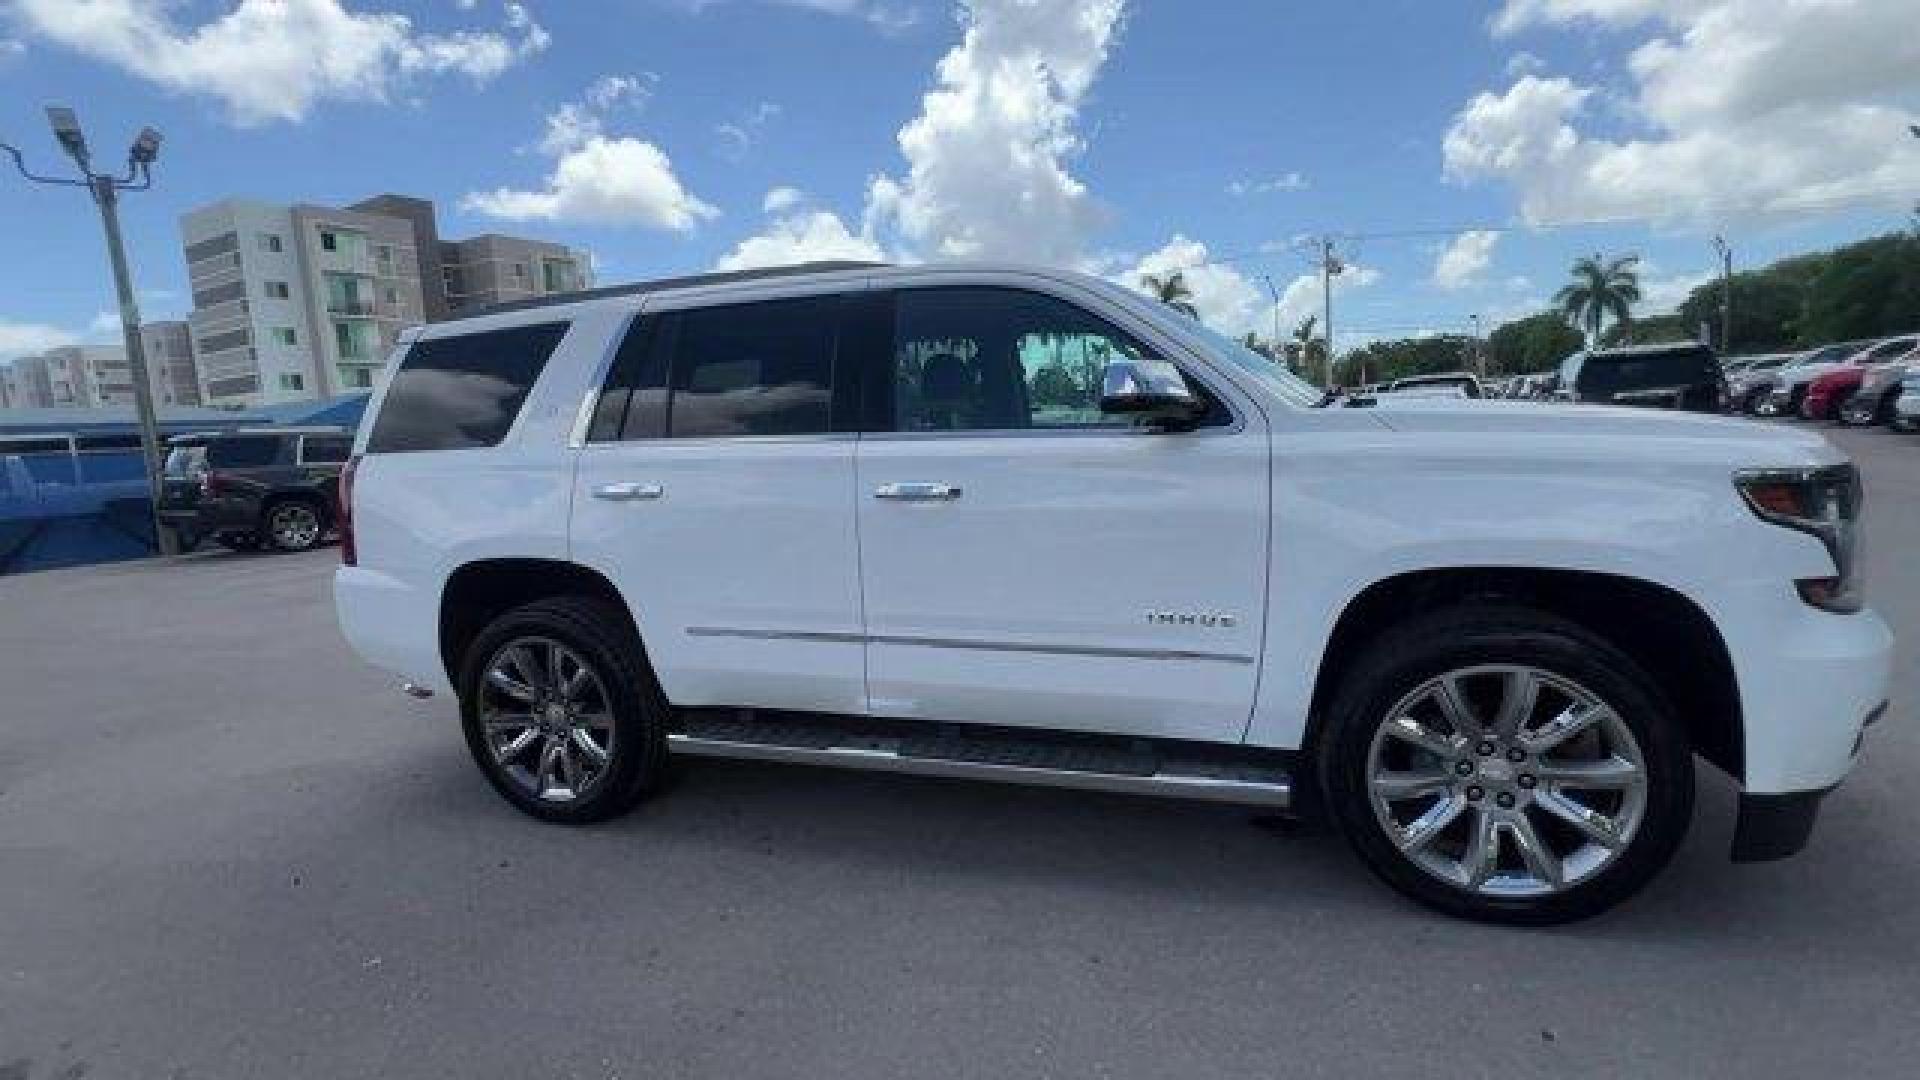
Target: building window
(519, 271)
(286, 335)
(269, 241)
(356, 378)
(329, 241)
(392, 296)
(383, 256)
(291, 380)
(277, 290)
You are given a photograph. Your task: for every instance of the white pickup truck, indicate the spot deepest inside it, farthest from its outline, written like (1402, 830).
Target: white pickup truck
(1025, 525)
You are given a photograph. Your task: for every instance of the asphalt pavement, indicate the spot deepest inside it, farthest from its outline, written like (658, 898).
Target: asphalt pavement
(229, 849)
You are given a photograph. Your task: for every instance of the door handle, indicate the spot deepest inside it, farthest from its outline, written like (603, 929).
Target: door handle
(917, 492)
(628, 492)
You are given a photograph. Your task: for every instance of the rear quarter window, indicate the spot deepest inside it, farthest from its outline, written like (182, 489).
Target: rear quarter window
(256, 452)
(463, 391)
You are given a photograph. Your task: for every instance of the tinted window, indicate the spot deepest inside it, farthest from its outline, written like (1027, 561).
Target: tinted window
(36, 446)
(983, 359)
(463, 391)
(751, 369)
(244, 452)
(128, 440)
(1607, 375)
(321, 449)
(633, 403)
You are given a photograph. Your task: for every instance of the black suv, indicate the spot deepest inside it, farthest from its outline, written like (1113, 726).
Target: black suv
(255, 486)
(1682, 375)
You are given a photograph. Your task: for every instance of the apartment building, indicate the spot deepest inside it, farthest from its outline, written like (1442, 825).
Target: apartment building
(53, 379)
(170, 368)
(9, 388)
(304, 301)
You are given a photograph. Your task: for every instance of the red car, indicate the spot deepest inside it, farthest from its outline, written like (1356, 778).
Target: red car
(1828, 392)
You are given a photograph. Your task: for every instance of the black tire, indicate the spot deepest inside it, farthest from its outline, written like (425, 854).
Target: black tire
(310, 530)
(601, 635)
(237, 541)
(1480, 633)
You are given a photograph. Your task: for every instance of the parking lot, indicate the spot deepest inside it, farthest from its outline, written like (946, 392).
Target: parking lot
(227, 848)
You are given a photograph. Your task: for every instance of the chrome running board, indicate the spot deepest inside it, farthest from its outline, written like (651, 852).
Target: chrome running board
(1000, 758)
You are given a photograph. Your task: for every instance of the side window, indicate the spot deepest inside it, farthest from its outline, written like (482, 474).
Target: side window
(324, 449)
(243, 452)
(989, 359)
(463, 391)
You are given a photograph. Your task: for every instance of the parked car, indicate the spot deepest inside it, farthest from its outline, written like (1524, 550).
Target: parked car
(1682, 375)
(1872, 399)
(1097, 545)
(1466, 383)
(1753, 378)
(1906, 407)
(1788, 390)
(255, 486)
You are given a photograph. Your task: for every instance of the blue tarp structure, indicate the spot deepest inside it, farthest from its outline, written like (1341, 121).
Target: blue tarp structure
(73, 492)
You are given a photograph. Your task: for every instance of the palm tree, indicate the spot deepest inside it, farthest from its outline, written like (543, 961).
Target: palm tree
(1172, 291)
(1599, 290)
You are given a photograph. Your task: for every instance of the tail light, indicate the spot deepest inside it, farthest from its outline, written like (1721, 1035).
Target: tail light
(349, 555)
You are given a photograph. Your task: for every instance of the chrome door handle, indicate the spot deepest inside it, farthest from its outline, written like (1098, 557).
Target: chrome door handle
(628, 492)
(917, 492)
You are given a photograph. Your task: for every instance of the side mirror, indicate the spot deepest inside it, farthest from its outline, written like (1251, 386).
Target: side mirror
(1152, 392)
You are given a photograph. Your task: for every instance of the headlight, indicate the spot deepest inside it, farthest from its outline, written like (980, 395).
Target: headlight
(1824, 503)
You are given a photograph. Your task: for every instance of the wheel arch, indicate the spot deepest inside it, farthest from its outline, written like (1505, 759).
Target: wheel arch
(478, 592)
(1664, 631)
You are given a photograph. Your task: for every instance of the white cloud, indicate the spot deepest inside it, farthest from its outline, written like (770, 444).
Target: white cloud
(987, 156)
(886, 15)
(1525, 63)
(1233, 303)
(1662, 294)
(274, 60)
(604, 180)
(1463, 261)
(570, 126)
(1292, 181)
(782, 199)
(24, 338)
(803, 237)
(11, 49)
(738, 137)
(1736, 107)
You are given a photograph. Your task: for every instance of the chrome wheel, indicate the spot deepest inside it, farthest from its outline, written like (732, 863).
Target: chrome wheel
(1507, 780)
(546, 718)
(294, 526)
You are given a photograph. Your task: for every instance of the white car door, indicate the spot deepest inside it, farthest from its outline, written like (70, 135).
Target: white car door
(1029, 561)
(715, 491)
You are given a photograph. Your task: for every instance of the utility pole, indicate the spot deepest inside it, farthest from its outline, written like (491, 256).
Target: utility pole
(1279, 350)
(105, 189)
(1726, 294)
(1329, 266)
(1479, 354)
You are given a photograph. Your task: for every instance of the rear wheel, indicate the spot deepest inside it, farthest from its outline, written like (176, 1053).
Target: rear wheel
(293, 525)
(560, 712)
(1498, 763)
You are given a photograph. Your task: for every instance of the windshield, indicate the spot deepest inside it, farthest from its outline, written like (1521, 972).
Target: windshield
(1274, 376)
(186, 460)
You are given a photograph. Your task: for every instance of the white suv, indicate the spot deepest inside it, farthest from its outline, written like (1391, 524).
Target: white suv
(1026, 525)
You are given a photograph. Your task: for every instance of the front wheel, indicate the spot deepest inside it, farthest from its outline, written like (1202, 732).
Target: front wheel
(1501, 764)
(294, 525)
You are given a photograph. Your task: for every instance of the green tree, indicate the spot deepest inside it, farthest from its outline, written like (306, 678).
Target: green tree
(1862, 290)
(1533, 344)
(1600, 290)
(1171, 290)
(1653, 330)
(1306, 353)
(1260, 345)
(1767, 305)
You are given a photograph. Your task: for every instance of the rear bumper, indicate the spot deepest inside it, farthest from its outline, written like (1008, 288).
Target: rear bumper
(391, 624)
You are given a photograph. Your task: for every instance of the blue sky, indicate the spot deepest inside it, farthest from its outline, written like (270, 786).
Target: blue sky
(1115, 135)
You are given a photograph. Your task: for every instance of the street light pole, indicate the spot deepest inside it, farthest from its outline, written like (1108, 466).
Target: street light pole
(106, 189)
(1329, 266)
(1279, 350)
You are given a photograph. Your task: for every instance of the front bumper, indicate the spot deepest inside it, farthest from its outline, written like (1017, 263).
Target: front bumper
(1777, 826)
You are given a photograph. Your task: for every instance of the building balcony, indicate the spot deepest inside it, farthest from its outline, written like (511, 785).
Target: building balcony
(353, 309)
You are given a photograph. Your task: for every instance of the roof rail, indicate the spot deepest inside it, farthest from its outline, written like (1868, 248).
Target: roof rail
(636, 288)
